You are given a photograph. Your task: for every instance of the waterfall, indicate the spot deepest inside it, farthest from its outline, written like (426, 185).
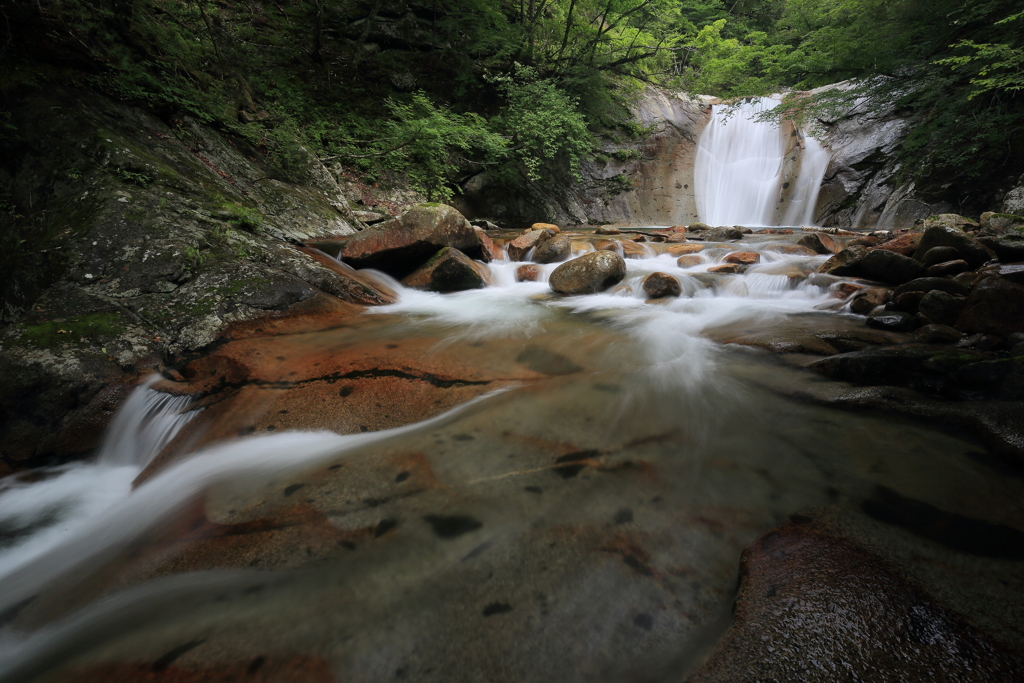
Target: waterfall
(750, 172)
(143, 425)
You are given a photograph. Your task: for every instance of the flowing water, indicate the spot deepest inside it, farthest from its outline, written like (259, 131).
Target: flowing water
(740, 169)
(583, 524)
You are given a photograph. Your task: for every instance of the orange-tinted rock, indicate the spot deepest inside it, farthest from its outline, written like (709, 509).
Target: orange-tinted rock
(792, 249)
(774, 231)
(689, 260)
(527, 273)
(728, 268)
(449, 270)
(588, 274)
(904, 244)
(821, 243)
(401, 245)
(520, 246)
(489, 250)
(546, 226)
(843, 290)
(746, 258)
(659, 285)
(632, 250)
(680, 249)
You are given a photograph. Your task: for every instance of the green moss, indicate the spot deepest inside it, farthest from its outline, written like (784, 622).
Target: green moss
(72, 330)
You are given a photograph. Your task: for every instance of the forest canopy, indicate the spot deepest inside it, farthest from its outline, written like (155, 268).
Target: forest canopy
(432, 91)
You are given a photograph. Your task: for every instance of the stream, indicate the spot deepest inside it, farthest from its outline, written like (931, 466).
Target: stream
(582, 525)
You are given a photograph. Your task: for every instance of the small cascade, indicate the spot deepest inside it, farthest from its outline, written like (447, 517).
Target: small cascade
(753, 173)
(145, 423)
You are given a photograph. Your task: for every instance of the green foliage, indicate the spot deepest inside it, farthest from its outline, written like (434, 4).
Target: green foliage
(427, 144)
(243, 217)
(140, 179)
(544, 123)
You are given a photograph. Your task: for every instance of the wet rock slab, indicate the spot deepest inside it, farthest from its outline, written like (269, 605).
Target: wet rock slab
(819, 602)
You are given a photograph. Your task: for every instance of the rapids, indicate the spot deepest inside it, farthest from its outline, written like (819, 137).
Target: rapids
(585, 525)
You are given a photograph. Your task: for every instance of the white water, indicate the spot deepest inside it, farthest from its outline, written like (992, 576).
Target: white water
(62, 503)
(739, 166)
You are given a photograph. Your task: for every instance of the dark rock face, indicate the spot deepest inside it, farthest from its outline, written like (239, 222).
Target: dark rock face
(401, 245)
(448, 271)
(845, 262)
(940, 255)
(890, 267)
(947, 268)
(816, 606)
(1008, 248)
(820, 244)
(659, 285)
(995, 306)
(552, 250)
(940, 307)
(941, 236)
(588, 274)
(928, 284)
(938, 334)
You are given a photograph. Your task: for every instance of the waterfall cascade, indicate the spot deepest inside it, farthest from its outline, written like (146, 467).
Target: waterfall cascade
(750, 172)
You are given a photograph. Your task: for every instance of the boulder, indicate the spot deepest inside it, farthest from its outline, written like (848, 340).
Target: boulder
(940, 255)
(904, 244)
(546, 226)
(998, 223)
(774, 231)
(689, 260)
(588, 274)
(659, 285)
(940, 307)
(728, 268)
(401, 245)
(896, 321)
(1009, 248)
(791, 249)
(966, 246)
(865, 242)
(484, 224)
(907, 301)
(722, 234)
(746, 258)
(527, 273)
(946, 220)
(927, 284)
(889, 267)
(632, 250)
(948, 268)
(520, 246)
(552, 250)
(449, 270)
(680, 249)
(868, 300)
(607, 230)
(830, 596)
(820, 243)
(995, 306)
(489, 251)
(845, 262)
(844, 290)
(1014, 272)
(692, 227)
(938, 334)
